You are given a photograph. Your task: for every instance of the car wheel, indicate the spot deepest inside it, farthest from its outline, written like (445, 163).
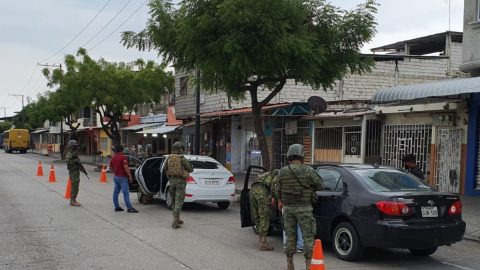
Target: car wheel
(223, 205)
(423, 252)
(168, 199)
(270, 229)
(346, 243)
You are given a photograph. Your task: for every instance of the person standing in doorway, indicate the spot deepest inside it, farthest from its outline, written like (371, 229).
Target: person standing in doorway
(296, 191)
(178, 170)
(410, 163)
(74, 166)
(122, 177)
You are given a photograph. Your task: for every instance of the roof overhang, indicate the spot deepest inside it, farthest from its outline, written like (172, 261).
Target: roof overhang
(332, 115)
(160, 130)
(244, 110)
(444, 106)
(446, 88)
(39, 131)
(141, 126)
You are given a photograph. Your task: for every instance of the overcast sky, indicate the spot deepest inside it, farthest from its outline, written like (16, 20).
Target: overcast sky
(34, 30)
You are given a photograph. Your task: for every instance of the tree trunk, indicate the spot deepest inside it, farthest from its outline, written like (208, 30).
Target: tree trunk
(262, 140)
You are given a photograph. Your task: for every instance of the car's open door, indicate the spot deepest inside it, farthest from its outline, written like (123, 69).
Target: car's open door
(133, 164)
(245, 206)
(149, 175)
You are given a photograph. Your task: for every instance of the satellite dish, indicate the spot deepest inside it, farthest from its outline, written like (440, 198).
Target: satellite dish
(317, 104)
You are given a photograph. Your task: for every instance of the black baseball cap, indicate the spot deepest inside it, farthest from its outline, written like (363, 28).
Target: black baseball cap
(118, 149)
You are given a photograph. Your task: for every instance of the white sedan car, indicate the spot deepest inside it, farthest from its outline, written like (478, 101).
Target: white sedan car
(209, 181)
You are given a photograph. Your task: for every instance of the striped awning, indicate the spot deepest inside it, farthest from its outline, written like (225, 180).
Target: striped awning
(444, 88)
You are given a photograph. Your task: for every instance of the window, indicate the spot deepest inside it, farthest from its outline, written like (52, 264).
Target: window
(332, 179)
(205, 165)
(104, 143)
(184, 86)
(390, 180)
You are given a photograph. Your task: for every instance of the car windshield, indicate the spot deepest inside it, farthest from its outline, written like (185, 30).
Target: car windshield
(390, 180)
(201, 164)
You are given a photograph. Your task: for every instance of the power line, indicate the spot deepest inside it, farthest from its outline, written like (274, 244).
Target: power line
(28, 79)
(83, 46)
(119, 25)
(78, 33)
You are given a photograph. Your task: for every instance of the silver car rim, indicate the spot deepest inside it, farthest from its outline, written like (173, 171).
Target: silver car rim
(343, 241)
(169, 198)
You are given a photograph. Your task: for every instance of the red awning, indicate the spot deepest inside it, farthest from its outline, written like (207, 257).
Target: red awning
(244, 110)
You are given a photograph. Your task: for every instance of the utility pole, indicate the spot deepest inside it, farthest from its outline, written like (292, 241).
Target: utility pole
(61, 123)
(197, 116)
(17, 96)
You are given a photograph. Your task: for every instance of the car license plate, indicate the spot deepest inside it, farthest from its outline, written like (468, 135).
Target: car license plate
(429, 211)
(211, 182)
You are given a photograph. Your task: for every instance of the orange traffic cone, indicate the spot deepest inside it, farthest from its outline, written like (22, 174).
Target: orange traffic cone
(52, 178)
(67, 192)
(317, 259)
(40, 169)
(103, 176)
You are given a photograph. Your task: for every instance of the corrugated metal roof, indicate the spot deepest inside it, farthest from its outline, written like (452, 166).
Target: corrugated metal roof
(335, 115)
(244, 110)
(436, 89)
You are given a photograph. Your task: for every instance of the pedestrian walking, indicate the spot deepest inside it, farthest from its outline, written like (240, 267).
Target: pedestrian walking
(144, 197)
(74, 166)
(178, 170)
(299, 239)
(260, 197)
(410, 163)
(121, 178)
(296, 191)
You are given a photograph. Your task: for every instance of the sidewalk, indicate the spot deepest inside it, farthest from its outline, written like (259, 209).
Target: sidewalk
(471, 205)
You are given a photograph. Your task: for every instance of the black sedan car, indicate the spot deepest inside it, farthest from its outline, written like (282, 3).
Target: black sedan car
(370, 206)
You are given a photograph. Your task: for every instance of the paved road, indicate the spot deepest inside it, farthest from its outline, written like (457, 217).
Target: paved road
(39, 230)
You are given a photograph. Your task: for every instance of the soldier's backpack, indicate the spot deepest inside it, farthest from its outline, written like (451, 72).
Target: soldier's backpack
(174, 167)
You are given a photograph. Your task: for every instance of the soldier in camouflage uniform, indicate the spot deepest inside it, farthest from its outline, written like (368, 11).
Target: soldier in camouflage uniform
(296, 191)
(178, 169)
(144, 197)
(74, 166)
(260, 194)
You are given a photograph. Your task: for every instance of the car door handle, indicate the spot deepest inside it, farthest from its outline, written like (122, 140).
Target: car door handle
(333, 197)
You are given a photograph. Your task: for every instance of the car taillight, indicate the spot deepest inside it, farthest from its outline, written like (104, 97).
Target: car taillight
(455, 208)
(231, 180)
(190, 180)
(394, 208)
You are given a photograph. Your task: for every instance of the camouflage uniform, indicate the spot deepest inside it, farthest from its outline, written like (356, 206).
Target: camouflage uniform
(144, 197)
(178, 184)
(260, 194)
(74, 166)
(297, 201)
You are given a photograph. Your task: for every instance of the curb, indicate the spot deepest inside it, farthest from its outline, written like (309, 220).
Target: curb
(472, 238)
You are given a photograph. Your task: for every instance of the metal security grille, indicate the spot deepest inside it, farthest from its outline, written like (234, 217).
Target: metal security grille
(328, 144)
(448, 151)
(353, 140)
(373, 138)
(281, 141)
(400, 140)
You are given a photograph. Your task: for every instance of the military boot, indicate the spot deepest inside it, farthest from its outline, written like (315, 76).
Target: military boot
(290, 264)
(263, 245)
(179, 222)
(73, 202)
(308, 263)
(175, 223)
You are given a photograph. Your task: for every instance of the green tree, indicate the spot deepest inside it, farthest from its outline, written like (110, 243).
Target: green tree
(113, 89)
(22, 119)
(5, 126)
(249, 46)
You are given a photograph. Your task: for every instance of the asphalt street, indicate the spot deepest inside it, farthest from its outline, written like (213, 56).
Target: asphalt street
(39, 230)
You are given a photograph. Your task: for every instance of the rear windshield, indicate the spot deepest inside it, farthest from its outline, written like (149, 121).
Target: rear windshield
(389, 180)
(197, 164)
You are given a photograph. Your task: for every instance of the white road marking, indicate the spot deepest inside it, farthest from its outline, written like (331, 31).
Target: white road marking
(458, 266)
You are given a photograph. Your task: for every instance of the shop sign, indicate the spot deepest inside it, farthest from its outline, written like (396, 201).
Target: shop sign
(291, 128)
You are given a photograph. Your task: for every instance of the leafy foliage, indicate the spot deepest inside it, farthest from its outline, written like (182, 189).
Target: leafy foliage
(245, 46)
(113, 88)
(5, 126)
